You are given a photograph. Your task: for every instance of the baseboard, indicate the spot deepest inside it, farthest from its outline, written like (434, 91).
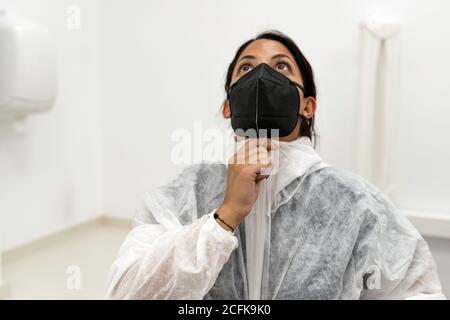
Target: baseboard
(4, 290)
(435, 225)
(116, 221)
(63, 232)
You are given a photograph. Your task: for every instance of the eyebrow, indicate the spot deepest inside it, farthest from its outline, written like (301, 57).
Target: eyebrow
(277, 56)
(281, 55)
(247, 57)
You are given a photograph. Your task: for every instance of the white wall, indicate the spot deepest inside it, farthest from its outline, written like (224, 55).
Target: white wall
(50, 176)
(164, 62)
(139, 69)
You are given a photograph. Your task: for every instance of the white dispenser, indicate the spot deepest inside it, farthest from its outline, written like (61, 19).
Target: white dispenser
(27, 68)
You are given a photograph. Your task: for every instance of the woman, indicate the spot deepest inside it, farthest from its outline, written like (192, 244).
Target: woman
(241, 231)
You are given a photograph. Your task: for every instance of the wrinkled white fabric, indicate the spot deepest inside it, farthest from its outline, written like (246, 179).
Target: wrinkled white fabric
(181, 263)
(331, 235)
(289, 162)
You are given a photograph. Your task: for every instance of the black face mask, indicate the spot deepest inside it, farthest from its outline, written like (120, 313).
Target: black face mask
(263, 100)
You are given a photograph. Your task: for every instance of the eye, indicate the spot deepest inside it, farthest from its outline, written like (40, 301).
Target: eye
(282, 66)
(245, 68)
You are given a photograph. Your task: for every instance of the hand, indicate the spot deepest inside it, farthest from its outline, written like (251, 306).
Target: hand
(246, 168)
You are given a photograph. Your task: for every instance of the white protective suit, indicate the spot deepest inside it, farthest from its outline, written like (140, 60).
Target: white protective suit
(315, 232)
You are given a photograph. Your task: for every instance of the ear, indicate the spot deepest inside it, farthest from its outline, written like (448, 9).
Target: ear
(226, 111)
(309, 107)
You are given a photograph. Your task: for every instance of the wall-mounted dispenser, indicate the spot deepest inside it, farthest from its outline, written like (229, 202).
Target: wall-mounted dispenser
(27, 68)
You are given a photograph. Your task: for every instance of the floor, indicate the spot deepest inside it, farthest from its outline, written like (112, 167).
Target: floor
(51, 272)
(74, 267)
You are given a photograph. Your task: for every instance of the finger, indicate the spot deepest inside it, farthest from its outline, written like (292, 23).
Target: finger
(260, 178)
(266, 163)
(258, 155)
(247, 152)
(265, 168)
(258, 169)
(268, 144)
(241, 156)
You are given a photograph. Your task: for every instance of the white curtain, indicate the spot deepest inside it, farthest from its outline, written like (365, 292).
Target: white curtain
(377, 101)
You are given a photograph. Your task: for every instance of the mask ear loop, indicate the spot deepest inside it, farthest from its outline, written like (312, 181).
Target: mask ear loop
(298, 85)
(304, 122)
(229, 102)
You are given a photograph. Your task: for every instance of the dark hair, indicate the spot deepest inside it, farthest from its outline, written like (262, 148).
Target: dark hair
(306, 125)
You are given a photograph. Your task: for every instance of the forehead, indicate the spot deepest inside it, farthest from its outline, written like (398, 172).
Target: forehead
(265, 49)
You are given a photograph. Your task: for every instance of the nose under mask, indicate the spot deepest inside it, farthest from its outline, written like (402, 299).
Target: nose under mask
(264, 103)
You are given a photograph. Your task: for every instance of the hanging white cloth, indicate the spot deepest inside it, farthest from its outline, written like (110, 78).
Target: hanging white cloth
(378, 101)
